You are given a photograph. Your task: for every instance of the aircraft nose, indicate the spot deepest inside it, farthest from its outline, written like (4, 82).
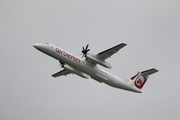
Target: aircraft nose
(36, 45)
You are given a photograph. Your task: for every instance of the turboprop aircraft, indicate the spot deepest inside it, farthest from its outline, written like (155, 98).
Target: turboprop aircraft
(87, 66)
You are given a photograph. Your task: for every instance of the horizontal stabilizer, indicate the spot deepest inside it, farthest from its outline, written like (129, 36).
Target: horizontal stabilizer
(149, 72)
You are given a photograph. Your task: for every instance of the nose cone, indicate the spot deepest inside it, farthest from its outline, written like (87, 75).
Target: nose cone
(37, 45)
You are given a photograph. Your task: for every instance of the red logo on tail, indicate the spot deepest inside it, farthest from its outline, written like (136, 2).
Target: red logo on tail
(140, 81)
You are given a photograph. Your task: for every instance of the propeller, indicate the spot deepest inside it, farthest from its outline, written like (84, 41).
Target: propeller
(61, 64)
(85, 50)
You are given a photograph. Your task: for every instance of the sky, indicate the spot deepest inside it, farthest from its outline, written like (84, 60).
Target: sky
(151, 30)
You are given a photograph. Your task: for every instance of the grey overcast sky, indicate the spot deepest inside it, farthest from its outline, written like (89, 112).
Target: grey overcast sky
(150, 28)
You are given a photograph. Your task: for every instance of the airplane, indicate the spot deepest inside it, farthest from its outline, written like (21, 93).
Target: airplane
(87, 66)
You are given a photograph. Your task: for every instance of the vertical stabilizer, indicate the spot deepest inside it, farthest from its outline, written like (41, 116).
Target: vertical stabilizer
(140, 78)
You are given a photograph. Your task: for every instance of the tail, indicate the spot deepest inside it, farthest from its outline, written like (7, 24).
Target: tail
(140, 78)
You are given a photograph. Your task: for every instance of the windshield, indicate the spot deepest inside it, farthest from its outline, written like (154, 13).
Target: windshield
(46, 43)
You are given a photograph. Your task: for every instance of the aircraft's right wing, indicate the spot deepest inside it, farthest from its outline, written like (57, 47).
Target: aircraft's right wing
(62, 72)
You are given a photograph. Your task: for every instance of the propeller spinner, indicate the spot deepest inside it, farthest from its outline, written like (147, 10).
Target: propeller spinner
(85, 50)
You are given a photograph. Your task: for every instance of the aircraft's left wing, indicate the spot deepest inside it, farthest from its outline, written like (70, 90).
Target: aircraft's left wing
(109, 52)
(62, 72)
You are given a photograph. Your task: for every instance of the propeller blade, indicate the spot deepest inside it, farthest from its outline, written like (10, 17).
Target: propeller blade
(85, 50)
(61, 64)
(87, 46)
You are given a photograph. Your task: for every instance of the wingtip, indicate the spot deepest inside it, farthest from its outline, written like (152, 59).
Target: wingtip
(124, 44)
(155, 69)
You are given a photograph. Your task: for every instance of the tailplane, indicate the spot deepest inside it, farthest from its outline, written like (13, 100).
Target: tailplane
(140, 78)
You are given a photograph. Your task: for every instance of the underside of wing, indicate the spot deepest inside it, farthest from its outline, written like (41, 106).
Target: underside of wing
(62, 72)
(70, 70)
(108, 53)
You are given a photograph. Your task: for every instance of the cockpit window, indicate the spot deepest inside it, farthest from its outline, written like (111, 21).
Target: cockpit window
(46, 43)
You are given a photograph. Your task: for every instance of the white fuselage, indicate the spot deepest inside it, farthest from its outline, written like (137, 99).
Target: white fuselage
(84, 66)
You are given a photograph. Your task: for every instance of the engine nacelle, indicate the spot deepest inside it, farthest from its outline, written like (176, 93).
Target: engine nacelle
(79, 73)
(97, 60)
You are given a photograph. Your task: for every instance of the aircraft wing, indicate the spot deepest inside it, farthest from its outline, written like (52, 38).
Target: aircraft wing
(109, 52)
(62, 72)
